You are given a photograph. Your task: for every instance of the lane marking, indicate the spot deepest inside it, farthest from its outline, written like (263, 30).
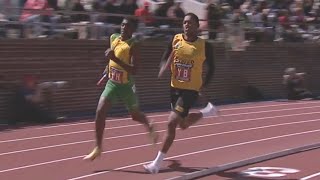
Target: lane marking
(183, 139)
(202, 151)
(311, 176)
(245, 162)
(86, 131)
(166, 113)
(144, 133)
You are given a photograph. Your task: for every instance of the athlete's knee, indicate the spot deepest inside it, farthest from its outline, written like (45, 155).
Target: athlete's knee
(172, 126)
(99, 113)
(102, 108)
(173, 122)
(183, 125)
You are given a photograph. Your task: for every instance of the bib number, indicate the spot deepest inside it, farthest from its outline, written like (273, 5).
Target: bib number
(183, 74)
(115, 75)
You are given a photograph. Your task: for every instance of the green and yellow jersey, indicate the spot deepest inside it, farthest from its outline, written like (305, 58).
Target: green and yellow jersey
(122, 50)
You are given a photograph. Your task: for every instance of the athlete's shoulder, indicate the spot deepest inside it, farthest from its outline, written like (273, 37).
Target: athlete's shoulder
(177, 41)
(202, 40)
(178, 36)
(114, 36)
(134, 41)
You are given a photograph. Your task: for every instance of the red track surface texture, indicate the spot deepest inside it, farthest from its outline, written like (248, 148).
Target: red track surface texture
(242, 131)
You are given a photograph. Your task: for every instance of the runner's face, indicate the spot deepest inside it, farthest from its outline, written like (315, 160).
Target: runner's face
(190, 25)
(126, 28)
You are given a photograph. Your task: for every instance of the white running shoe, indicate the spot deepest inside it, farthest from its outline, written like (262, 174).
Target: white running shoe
(209, 110)
(151, 168)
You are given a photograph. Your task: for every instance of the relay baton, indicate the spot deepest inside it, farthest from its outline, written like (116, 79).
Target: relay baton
(166, 65)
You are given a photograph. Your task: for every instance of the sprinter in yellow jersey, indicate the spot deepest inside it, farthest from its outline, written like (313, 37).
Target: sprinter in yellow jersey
(123, 57)
(186, 53)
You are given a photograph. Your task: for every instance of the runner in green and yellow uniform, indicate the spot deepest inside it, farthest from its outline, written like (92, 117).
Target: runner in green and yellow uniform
(123, 56)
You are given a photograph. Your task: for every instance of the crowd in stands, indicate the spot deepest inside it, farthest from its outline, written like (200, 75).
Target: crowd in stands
(260, 20)
(290, 20)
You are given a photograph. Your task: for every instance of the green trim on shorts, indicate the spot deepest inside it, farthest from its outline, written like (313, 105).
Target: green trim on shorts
(125, 92)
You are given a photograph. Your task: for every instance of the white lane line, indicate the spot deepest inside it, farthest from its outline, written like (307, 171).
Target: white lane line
(311, 176)
(166, 113)
(269, 105)
(86, 131)
(198, 152)
(183, 139)
(143, 133)
(248, 161)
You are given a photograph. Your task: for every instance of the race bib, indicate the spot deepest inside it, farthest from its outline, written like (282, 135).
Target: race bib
(183, 74)
(116, 75)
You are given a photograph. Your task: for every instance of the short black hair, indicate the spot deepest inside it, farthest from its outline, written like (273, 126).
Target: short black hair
(194, 16)
(132, 21)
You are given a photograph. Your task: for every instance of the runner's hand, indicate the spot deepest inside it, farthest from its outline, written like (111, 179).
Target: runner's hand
(109, 53)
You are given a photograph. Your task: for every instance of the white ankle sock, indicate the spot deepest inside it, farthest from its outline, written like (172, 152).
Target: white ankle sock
(159, 158)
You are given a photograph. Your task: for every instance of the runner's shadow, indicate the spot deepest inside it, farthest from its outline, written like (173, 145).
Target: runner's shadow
(125, 171)
(174, 166)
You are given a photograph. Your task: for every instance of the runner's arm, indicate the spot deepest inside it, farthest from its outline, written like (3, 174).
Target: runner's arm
(135, 59)
(166, 54)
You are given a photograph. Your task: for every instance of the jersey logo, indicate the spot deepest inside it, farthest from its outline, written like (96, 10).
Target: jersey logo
(177, 44)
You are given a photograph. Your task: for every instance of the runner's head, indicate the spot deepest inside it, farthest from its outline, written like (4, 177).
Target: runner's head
(191, 24)
(128, 27)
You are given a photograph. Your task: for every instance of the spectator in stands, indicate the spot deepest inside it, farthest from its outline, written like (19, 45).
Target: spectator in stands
(31, 103)
(128, 7)
(110, 7)
(33, 18)
(176, 12)
(144, 14)
(255, 18)
(235, 4)
(162, 11)
(98, 28)
(53, 4)
(214, 17)
(78, 6)
(307, 7)
(295, 85)
(284, 19)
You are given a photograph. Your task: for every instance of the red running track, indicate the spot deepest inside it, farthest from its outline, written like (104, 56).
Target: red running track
(242, 131)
